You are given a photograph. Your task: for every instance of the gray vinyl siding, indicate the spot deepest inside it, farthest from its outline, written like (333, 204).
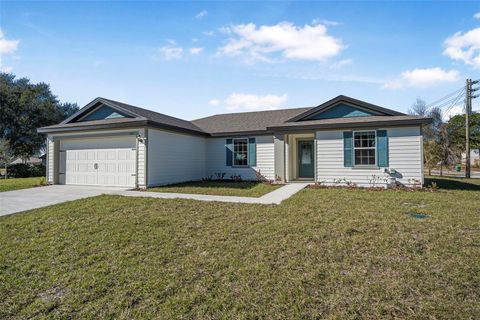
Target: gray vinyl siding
(50, 161)
(141, 164)
(405, 156)
(174, 157)
(216, 159)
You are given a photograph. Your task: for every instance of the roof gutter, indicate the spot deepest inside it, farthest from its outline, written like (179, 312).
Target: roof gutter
(120, 125)
(352, 125)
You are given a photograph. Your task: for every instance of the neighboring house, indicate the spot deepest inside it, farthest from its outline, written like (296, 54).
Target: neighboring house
(474, 157)
(109, 143)
(32, 160)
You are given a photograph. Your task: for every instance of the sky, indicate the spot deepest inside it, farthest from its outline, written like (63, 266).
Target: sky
(194, 59)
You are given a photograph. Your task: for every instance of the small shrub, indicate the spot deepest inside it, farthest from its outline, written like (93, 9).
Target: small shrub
(260, 177)
(375, 180)
(19, 170)
(344, 181)
(219, 175)
(236, 177)
(433, 186)
(23, 170)
(415, 183)
(38, 171)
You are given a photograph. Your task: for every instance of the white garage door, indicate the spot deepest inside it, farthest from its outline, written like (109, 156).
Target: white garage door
(101, 167)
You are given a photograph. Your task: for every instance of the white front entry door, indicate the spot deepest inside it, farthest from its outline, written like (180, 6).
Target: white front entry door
(101, 167)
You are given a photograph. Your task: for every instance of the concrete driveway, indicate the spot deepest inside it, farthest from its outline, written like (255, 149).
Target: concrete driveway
(27, 199)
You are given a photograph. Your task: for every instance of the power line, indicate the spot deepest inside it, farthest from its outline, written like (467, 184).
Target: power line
(443, 98)
(449, 101)
(459, 97)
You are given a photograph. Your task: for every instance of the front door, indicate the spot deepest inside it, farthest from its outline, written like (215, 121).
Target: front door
(305, 159)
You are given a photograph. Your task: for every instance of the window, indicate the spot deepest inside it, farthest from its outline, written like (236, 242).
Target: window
(240, 152)
(365, 148)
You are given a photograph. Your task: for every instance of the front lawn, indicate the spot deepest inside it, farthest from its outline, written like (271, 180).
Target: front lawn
(20, 183)
(324, 253)
(221, 188)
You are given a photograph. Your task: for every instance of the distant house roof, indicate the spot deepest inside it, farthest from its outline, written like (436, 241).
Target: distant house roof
(235, 123)
(31, 160)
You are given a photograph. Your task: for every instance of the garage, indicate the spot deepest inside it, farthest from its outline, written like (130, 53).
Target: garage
(98, 162)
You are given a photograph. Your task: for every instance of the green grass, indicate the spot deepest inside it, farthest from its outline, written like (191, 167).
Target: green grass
(221, 188)
(20, 183)
(324, 253)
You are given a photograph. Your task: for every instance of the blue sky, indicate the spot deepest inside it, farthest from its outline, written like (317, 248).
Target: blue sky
(196, 59)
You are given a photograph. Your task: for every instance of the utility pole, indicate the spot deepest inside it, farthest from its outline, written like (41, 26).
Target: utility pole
(468, 109)
(468, 103)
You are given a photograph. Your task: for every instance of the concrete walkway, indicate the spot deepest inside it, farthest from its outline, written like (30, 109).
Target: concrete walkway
(274, 197)
(33, 198)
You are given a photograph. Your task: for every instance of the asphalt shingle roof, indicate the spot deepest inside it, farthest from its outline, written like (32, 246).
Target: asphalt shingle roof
(246, 121)
(232, 123)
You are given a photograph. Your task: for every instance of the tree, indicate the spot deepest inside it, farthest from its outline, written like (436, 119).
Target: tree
(432, 142)
(419, 108)
(448, 152)
(24, 108)
(5, 155)
(456, 130)
(432, 130)
(432, 154)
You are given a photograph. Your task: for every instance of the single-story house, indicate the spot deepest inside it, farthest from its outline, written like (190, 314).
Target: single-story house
(342, 141)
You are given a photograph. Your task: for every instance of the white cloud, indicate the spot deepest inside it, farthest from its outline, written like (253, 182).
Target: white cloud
(214, 102)
(310, 42)
(429, 77)
(171, 51)
(422, 78)
(7, 46)
(326, 22)
(208, 33)
(195, 50)
(202, 14)
(251, 102)
(477, 15)
(225, 30)
(464, 47)
(342, 63)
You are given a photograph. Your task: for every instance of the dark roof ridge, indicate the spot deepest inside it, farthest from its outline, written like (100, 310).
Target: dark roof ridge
(248, 112)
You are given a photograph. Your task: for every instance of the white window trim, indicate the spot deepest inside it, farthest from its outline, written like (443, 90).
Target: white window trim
(233, 153)
(368, 166)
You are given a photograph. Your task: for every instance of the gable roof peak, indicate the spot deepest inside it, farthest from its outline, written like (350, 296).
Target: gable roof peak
(349, 100)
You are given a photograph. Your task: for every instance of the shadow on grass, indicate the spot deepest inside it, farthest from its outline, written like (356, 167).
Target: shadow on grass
(217, 184)
(454, 183)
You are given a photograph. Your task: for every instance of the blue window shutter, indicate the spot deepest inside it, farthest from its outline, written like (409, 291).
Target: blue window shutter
(382, 148)
(252, 152)
(348, 149)
(229, 149)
